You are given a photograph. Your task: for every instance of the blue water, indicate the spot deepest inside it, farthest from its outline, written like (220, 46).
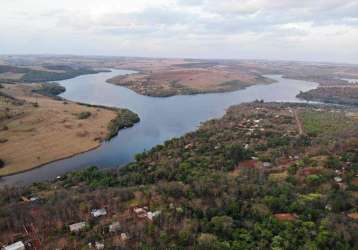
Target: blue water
(161, 118)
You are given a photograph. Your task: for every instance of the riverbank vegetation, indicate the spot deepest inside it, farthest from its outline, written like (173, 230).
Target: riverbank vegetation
(49, 89)
(45, 73)
(124, 119)
(344, 95)
(250, 180)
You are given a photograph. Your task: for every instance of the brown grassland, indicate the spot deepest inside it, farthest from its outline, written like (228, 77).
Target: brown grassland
(35, 129)
(178, 77)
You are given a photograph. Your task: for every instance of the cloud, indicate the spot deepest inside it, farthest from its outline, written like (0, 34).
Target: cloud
(206, 28)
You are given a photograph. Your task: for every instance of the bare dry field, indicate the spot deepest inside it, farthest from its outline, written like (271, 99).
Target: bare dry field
(34, 134)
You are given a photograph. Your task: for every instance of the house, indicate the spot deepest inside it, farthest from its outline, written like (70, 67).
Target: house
(143, 213)
(77, 226)
(31, 199)
(140, 212)
(124, 237)
(328, 207)
(266, 164)
(353, 216)
(98, 212)
(114, 227)
(35, 198)
(16, 246)
(285, 216)
(96, 245)
(338, 179)
(152, 215)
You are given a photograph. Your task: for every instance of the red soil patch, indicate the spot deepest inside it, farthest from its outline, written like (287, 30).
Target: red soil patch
(248, 164)
(353, 216)
(309, 171)
(285, 217)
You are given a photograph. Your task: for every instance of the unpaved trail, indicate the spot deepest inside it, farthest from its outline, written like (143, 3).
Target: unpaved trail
(298, 122)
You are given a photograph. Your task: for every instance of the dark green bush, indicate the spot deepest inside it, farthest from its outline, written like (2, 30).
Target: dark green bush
(84, 115)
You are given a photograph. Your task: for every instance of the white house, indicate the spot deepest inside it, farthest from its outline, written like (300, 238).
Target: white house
(124, 237)
(16, 246)
(337, 179)
(99, 212)
(152, 215)
(114, 227)
(266, 164)
(96, 245)
(77, 226)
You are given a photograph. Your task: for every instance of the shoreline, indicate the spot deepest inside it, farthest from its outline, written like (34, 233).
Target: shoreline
(108, 137)
(43, 164)
(110, 126)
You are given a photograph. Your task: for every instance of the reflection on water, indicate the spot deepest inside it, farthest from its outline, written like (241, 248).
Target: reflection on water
(161, 118)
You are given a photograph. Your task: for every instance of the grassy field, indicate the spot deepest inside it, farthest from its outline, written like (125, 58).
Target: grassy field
(317, 123)
(180, 79)
(38, 129)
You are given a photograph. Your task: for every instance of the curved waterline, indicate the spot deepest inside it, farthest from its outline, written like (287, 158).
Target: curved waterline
(161, 118)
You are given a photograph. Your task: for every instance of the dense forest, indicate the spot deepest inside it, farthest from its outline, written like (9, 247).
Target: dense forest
(265, 176)
(344, 95)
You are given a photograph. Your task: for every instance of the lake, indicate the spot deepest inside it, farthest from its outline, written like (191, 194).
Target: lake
(161, 118)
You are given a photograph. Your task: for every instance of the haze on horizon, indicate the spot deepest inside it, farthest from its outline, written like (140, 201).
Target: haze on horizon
(322, 30)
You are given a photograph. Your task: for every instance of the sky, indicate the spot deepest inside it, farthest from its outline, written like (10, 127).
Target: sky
(311, 30)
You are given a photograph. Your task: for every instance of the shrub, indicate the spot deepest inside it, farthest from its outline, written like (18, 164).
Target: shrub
(50, 89)
(124, 119)
(333, 162)
(2, 163)
(84, 115)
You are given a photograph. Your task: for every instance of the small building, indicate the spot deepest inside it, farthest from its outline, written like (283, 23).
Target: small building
(99, 212)
(143, 213)
(338, 179)
(266, 164)
(140, 212)
(96, 245)
(152, 215)
(114, 227)
(15, 246)
(328, 207)
(124, 237)
(353, 216)
(35, 198)
(77, 226)
(285, 216)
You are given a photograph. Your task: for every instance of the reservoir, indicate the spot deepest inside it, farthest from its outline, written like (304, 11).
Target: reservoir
(162, 118)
